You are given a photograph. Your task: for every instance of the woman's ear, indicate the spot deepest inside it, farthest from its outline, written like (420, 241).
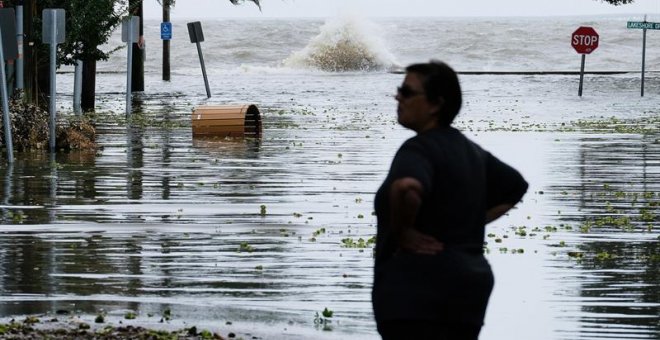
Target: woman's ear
(438, 105)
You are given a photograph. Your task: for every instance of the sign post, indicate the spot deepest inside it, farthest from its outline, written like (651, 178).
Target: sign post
(197, 36)
(53, 34)
(19, 39)
(77, 87)
(584, 40)
(644, 25)
(130, 33)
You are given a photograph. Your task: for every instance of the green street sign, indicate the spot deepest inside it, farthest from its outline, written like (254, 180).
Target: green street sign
(644, 25)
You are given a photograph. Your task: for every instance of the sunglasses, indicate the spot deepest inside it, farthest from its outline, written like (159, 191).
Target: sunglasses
(407, 92)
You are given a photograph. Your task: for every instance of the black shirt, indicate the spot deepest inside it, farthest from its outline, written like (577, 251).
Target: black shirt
(461, 182)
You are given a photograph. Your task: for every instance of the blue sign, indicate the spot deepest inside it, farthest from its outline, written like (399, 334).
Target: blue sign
(165, 30)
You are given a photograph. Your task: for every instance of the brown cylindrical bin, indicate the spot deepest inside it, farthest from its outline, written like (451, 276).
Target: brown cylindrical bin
(226, 121)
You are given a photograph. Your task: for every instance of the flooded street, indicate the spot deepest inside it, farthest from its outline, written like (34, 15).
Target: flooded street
(266, 233)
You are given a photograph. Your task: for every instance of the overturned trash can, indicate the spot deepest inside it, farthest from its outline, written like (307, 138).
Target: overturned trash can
(226, 121)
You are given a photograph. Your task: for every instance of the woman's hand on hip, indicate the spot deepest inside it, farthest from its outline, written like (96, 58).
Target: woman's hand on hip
(413, 241)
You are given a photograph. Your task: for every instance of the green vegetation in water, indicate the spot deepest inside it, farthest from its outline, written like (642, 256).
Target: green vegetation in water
(615, 208)
(360, 243)
(644, 126)
(17, 217)
(244, 246)
(324, 319)
(612, 208)
(316, 233)
(604, 256)
(167, 314)
(286, 233)
(327, 313)
(521, 231)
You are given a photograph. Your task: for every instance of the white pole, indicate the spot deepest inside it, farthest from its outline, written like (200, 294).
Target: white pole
(5, 105)
(53, 55)
(19, 40)
(129, 41)
(77, 88)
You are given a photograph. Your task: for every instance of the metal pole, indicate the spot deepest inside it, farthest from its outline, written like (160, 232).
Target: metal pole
(19, 40)
(201, 60)
(643, 57)
(53, 56)
(5, 105)
(129, 72)
(581, 75)
(77, 87)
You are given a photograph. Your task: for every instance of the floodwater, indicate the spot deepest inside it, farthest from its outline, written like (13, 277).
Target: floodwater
(258, 233)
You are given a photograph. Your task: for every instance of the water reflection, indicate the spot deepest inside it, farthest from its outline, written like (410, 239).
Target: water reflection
(616, 193)
(156, 219)
(134, 162)
(7, 189)
(38, 179)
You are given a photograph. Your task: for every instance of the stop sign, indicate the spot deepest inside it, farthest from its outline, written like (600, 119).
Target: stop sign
(585, 40)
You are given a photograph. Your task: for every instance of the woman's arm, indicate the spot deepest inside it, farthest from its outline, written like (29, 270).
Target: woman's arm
(505, 188)
(405, 200)
(495, 212)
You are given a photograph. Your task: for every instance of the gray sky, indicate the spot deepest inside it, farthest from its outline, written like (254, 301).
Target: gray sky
(197, 9)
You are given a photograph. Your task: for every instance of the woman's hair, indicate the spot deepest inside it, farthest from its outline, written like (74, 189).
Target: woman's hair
(440, 85)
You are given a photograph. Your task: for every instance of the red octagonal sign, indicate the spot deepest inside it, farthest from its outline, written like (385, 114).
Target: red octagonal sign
(585, 40)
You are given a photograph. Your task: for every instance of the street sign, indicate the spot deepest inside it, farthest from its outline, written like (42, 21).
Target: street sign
(130, 28)
(53, 24)
(197, 36)
(644, 25)
(585, 40)
(166, 31)
(8, 29)
(195, 32)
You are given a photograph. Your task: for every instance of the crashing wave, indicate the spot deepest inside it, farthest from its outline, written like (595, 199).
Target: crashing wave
(344, 44)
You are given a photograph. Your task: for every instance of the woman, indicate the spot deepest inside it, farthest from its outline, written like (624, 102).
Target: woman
(431, 280)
